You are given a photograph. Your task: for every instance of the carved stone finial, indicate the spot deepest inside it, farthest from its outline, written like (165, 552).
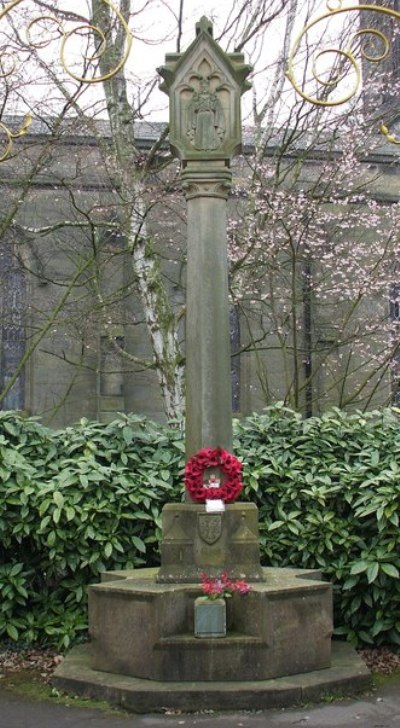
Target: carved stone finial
(204, 25)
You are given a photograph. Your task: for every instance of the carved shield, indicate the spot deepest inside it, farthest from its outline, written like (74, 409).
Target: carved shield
(209, 527)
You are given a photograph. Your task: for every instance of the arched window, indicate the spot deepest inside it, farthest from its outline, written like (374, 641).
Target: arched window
(395, 303)
(234, 325)
(12, 328)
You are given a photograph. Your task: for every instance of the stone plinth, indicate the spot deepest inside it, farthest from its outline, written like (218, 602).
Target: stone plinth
(195, 541)
(346, 676)
(142, 628)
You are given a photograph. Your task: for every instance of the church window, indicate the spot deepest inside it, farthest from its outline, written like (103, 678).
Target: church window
(234, 326)
(12, 328)
(395, 304)
(111, 367)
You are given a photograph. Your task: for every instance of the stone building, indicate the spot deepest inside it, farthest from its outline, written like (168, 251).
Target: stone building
(65, 328)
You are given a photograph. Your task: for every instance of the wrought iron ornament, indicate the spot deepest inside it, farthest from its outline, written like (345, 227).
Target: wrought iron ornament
(335, 8)
(63, 36)
(10, 135)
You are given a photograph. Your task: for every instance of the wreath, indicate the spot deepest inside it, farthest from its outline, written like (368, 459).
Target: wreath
(209, 457)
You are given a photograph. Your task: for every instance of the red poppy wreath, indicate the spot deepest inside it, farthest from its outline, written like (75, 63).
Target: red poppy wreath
(229, 465)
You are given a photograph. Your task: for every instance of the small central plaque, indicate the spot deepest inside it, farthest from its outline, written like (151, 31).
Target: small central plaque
(209, 617)
(215, 506)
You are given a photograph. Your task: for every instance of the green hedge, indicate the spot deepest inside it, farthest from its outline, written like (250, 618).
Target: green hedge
(328, 490)
(88, 498)
(72, 504)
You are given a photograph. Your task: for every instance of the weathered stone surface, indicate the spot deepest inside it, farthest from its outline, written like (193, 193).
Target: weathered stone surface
(208, 355)
(196, 541)
(145, 629)
(204, 85)
(346, 676)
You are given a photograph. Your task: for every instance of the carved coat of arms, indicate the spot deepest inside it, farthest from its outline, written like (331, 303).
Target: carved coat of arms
(209, 527)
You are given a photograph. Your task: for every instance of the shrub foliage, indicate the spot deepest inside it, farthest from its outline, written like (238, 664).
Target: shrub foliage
(328, 491)
(74, 503)
(88, 498)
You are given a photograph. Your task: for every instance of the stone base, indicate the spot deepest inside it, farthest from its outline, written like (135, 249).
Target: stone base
(195, 541)
(141, 628)
(346, 676)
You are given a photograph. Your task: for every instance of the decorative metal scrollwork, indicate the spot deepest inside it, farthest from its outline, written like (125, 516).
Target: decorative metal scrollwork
(54, 30)
(347, 55)
(10, 136)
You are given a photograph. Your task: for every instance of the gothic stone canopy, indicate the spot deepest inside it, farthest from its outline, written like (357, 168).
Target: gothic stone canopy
(205, 85)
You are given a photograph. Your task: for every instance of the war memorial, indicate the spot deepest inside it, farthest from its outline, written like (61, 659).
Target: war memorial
(152, 643)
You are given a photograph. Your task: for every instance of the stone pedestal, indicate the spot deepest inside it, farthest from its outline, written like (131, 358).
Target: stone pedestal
(142, 622)
(195, 541)
(142, 628)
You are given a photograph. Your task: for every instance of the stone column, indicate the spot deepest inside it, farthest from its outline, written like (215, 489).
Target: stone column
(208, 366)
(204, 86)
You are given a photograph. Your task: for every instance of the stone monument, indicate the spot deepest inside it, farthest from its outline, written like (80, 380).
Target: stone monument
(205, 85)
(144, 652)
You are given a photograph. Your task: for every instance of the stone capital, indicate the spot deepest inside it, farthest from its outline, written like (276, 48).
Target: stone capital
(206, 181)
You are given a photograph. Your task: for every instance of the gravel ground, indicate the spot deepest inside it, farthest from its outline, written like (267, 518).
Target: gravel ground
(42, 662)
